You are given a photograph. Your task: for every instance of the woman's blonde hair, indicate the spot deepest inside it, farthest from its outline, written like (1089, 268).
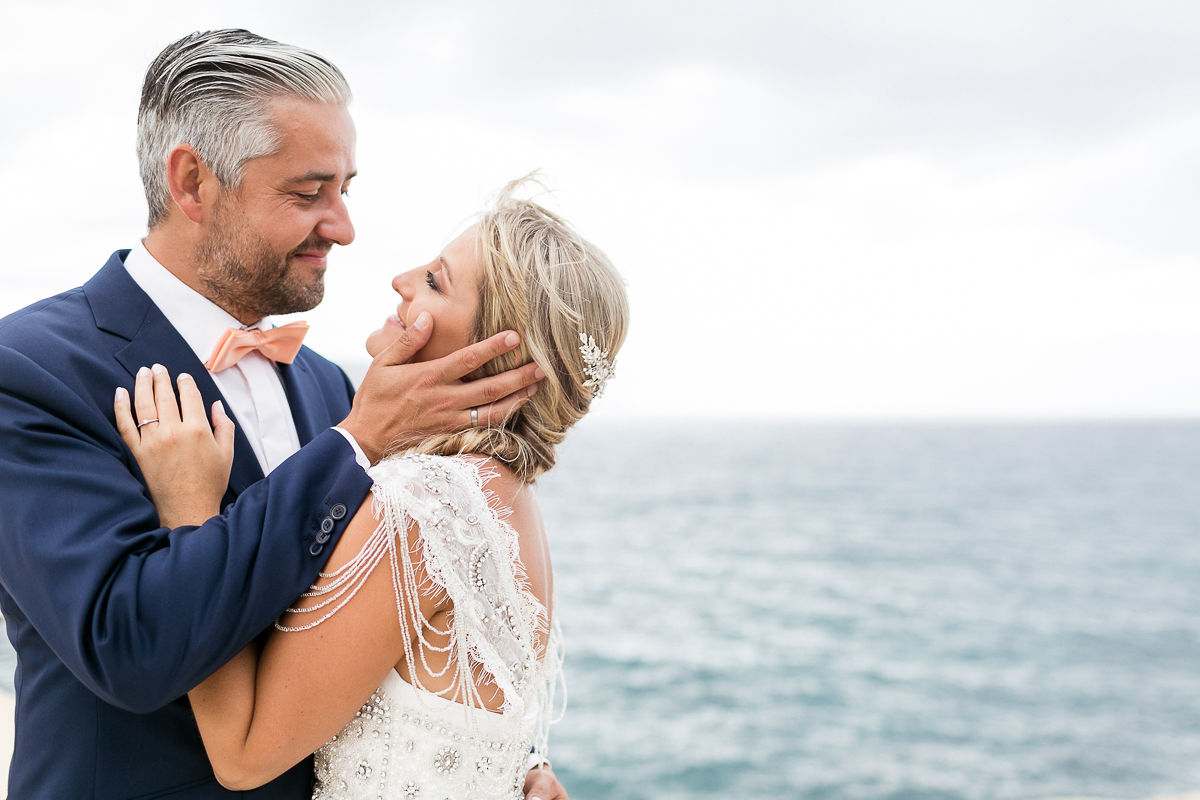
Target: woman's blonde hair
(539, 277)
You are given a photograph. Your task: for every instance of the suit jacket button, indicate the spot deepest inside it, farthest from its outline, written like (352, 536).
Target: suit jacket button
(322, 537)
(327, 525)
(338, 511)
(315, 549)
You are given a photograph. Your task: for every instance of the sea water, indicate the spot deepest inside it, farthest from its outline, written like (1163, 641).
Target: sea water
(925, 611)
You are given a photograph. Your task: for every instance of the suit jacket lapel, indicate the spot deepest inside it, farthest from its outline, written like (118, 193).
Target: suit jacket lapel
(122, 308)
(304, 397)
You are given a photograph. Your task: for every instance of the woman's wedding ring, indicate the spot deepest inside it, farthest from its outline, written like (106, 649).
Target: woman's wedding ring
(474, 417)
(146, 422)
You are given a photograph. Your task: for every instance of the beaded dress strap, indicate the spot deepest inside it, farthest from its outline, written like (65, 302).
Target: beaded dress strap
(470, 556)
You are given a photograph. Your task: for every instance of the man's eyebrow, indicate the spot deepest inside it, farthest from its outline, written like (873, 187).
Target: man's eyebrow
(319, 177)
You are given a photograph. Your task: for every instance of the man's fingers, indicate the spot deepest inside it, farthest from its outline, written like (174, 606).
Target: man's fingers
(463, 362)
(495, 414)
(408, 343)
(191, 404)
(498, 390)
(542, 784)
(166, 406)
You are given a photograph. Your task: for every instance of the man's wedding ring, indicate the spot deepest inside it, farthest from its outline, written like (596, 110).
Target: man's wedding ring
(474, 417)
(146, 422)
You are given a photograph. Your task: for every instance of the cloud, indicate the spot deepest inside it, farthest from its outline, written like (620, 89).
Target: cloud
(850, 208)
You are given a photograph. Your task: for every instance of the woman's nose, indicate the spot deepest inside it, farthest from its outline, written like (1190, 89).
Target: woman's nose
(400, 284)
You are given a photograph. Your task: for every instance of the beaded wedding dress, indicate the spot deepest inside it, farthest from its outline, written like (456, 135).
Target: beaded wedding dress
(409, 743)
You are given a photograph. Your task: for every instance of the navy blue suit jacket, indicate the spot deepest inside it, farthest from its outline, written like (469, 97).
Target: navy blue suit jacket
(113, 617)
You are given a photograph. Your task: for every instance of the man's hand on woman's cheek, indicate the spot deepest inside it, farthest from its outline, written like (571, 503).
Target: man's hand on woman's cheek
(400, 401)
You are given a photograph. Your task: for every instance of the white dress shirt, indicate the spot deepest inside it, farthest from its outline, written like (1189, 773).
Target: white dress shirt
(253, 387)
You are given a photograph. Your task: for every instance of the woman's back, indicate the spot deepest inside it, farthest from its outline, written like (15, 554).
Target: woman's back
(473, 692)
(513, 503)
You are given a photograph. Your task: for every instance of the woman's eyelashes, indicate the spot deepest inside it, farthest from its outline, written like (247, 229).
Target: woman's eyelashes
(431, 282)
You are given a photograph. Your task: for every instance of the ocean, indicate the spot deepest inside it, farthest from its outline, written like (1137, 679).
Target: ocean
(895, 611)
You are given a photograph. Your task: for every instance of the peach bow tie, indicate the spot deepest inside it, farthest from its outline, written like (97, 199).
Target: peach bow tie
(278, 344)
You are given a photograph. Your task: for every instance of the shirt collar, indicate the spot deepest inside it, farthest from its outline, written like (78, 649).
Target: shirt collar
(200, 321)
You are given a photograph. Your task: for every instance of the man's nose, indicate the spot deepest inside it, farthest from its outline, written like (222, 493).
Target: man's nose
(336, 225)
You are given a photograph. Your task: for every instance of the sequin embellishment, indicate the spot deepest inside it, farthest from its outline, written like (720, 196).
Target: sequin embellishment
(445, 749)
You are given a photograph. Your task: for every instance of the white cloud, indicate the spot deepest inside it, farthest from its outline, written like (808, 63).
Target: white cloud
(858, 209)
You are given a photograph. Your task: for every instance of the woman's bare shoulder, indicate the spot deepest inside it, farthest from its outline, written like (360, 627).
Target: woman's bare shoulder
(513, 494)
(509, 492)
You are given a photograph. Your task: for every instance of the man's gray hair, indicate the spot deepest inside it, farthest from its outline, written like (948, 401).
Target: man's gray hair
(211, 90)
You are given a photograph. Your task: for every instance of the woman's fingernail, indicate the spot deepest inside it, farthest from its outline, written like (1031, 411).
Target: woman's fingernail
(512, 339)
(422, 321)
(538, 373)
(120, 393)
(143, 372)
(159, 369)
(183, 376)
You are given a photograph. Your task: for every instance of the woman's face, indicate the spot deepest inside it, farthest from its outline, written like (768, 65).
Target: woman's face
(447, 288)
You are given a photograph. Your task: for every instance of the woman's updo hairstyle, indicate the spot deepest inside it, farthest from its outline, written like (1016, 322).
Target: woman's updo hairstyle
(540, 278)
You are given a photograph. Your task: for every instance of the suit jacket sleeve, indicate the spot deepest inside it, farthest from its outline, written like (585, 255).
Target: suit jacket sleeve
(138, 613)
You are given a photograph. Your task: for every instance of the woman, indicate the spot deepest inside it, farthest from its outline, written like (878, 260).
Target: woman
(436, 605)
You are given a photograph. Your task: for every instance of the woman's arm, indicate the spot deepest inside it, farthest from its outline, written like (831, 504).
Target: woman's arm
(259, 715)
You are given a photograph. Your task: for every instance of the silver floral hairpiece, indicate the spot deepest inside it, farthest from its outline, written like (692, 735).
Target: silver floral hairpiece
(596, 365)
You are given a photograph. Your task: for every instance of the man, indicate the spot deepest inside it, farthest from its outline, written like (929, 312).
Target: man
(246, 149)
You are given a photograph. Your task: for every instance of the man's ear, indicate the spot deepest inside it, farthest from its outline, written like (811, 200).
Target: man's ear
(191, 183)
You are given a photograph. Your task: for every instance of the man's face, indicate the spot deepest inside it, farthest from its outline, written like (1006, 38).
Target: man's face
(264, 248)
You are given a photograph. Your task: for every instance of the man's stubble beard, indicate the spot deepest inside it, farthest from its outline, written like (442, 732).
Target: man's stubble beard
(243, 274)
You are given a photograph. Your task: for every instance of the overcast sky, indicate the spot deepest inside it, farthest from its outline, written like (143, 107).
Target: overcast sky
(821, 209)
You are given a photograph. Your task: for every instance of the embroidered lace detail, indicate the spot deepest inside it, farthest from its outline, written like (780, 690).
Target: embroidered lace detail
(410, 741)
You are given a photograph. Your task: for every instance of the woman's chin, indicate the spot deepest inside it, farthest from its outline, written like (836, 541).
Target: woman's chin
(377, 342)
